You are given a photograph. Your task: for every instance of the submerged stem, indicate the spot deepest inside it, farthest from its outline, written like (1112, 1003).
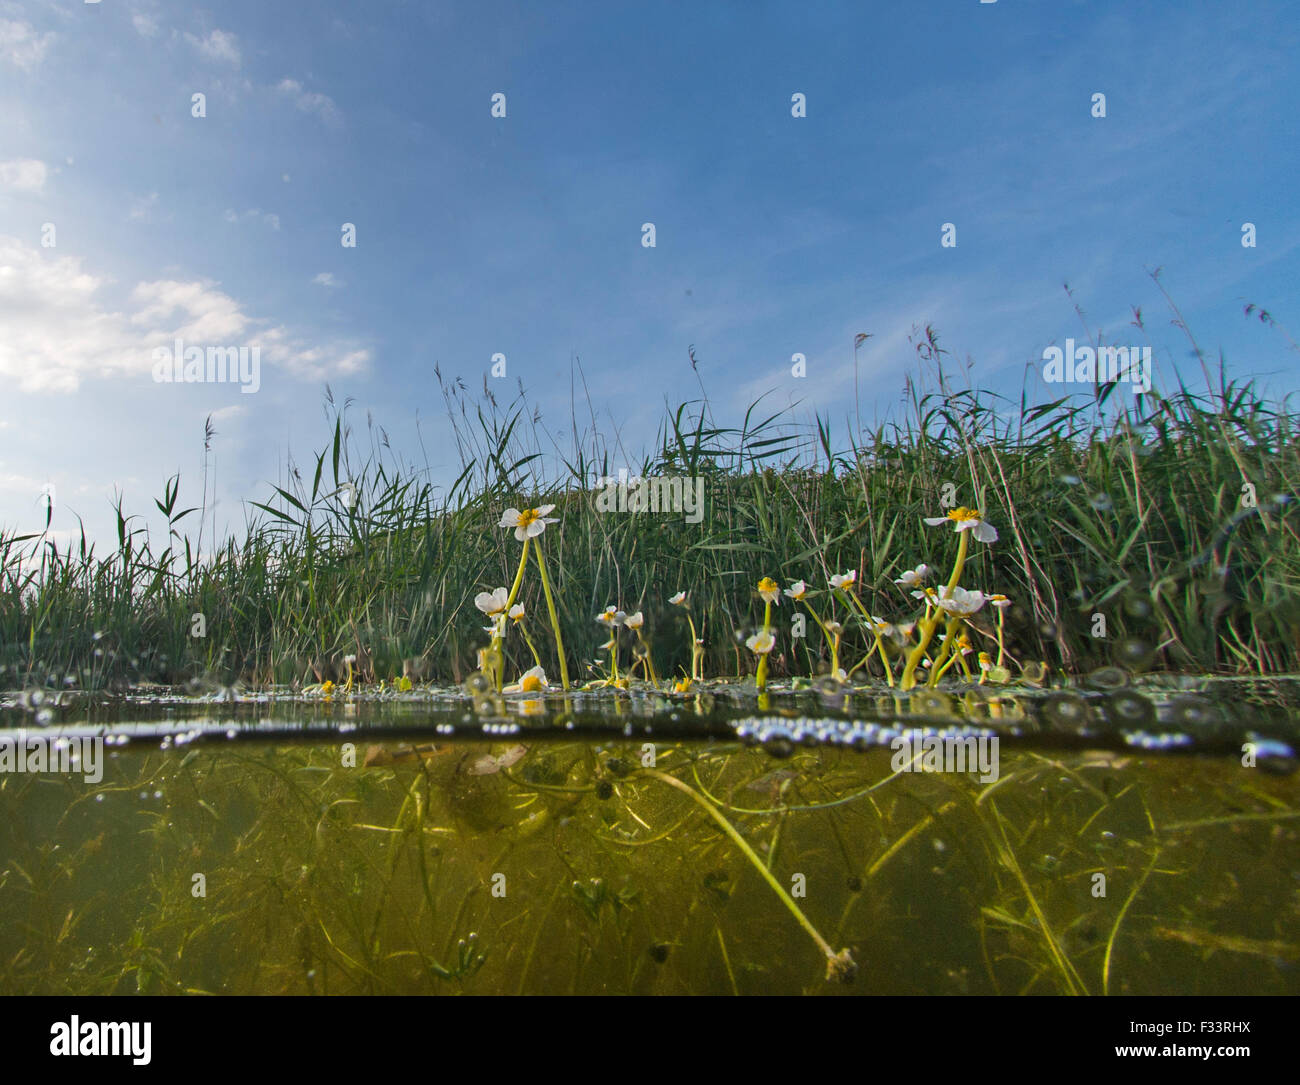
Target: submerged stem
(838, 965)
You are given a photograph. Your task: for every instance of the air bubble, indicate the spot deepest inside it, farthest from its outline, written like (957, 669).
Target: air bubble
(1067, 710)
(1137, 607)
(828, 686)
(1134, 653)
(1109, 678)
(1129, 709)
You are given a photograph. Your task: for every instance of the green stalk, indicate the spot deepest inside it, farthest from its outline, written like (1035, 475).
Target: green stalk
(495, 654)
(529, 641)
(838, 965)
(760, 676)
(697, 653)
(648, 668)
(929, 623)
(947, 655)
(555, 620)
(832, 642)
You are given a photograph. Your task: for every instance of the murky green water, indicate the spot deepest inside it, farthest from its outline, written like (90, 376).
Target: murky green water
(529, 847)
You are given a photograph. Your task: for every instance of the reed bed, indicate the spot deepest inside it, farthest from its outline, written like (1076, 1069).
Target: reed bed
(1167, 514)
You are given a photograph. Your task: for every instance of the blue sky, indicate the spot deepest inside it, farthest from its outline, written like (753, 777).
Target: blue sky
(522, 235)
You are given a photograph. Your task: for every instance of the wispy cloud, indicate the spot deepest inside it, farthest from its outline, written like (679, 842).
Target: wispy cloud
(310, 102)
(55, 333)
(253, 215)
(326, 278)
(217, 45)
(23, 175)
(145, 25)
(21, 44)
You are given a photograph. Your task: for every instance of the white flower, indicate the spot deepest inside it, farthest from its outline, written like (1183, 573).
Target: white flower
(529, 523)
(611, 617)
(797, 590)
(960, 601)
(762, 643)
(967, 520)
(678, 600)
(768, 589)
(493, 602)
(999, 600)
(914, 576)
(844, 580)
(531, 681)
(634, 621)
(517, 612)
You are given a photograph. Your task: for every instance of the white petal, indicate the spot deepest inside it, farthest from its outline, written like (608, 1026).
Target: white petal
(545, 510)
(509, 518)
(986, 533)
(935, 521)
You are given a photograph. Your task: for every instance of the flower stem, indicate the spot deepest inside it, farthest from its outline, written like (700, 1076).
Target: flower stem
(519, 576)
(832, 642)
(647, 666)
(838, 965)
(760, 676)
(531, 647)
(555, 620)
(697, 653)
(930, 622)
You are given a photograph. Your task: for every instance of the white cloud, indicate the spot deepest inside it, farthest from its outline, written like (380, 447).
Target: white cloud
(254, 214)
(56, 332)
(21, 45)
(218, 45)
(326, 278)
(310, 102)
(23, 175)
(309, 362)
(145, 26)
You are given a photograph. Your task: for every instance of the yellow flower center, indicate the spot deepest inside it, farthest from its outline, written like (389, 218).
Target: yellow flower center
(963, 513)
(528, 516)
(767, 584)
(530, 683)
